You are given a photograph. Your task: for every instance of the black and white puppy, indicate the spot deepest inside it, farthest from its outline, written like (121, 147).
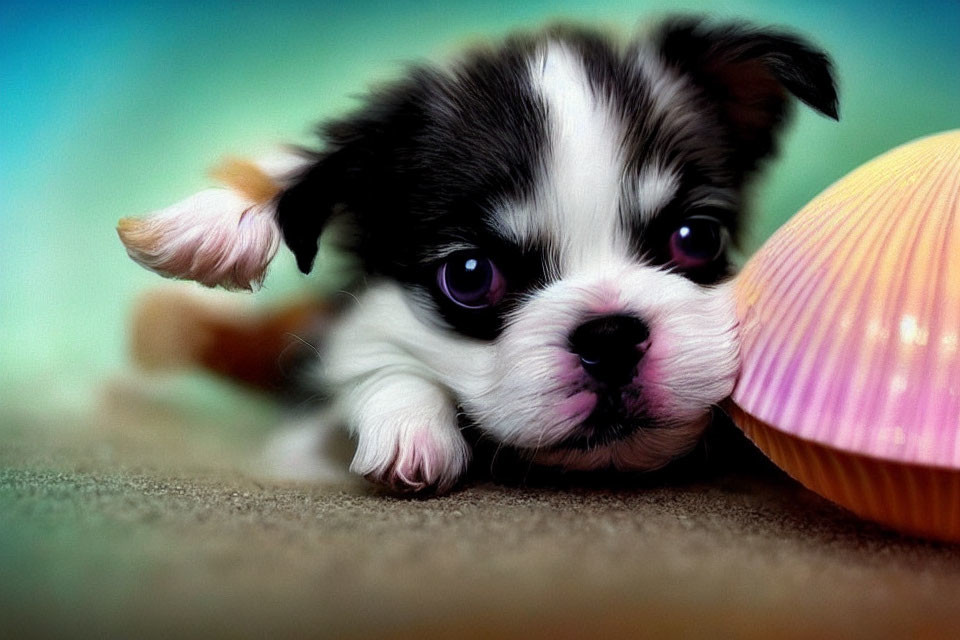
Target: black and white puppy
(543, 227)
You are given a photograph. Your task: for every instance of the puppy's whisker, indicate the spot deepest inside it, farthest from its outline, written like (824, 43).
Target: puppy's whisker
(493, 458)
(350, 294)
(302, 341)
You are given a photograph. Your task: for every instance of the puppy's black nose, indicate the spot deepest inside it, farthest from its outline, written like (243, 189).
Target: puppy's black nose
(610, 347)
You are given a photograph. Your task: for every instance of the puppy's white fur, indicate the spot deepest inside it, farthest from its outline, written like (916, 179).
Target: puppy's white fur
(575, 207)
(399, 379)
(220, 236)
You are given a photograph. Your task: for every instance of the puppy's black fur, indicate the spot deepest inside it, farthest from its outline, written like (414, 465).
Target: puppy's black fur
(427, 159)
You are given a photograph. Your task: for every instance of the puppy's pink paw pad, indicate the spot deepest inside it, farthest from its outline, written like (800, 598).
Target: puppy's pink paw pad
(419, 462)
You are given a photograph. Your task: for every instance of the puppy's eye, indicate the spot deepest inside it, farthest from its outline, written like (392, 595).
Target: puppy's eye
(698, 241)
(471, 281)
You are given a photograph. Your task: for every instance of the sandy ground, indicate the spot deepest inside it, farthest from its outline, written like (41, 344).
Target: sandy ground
(147, 519)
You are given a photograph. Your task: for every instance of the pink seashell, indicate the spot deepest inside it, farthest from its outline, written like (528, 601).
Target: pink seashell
(850, 327)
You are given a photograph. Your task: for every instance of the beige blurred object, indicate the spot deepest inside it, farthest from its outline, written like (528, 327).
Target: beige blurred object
(176, 328)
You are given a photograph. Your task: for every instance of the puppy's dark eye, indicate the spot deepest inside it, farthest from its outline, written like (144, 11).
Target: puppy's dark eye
(471, 281)
(699, 240)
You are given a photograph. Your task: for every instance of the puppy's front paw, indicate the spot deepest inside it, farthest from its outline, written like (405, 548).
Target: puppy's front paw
(410, 458)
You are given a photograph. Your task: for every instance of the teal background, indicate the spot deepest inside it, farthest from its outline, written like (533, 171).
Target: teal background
(112, 109)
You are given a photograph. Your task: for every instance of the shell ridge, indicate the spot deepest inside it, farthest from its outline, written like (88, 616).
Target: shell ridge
(799, 312)
(947, 343)
(852, 341)
(884, 409)
(935, 414)
(800, 369)
(873, 318)
(822, 353)
(759, 378)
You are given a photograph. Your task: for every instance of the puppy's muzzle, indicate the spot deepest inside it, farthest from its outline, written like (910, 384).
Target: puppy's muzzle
(610, 347)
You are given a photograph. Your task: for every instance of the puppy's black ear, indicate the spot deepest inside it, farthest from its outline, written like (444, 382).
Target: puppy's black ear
(349, 174)
(747, 72)
(304, 207)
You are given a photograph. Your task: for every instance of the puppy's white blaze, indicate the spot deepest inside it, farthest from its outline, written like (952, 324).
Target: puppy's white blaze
(576, 204)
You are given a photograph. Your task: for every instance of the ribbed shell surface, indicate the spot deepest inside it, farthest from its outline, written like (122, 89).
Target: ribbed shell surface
(850, 313)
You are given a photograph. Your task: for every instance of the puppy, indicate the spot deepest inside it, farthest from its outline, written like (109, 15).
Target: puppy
(543, 228)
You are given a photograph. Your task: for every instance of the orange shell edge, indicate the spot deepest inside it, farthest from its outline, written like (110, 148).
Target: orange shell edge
(910, 498)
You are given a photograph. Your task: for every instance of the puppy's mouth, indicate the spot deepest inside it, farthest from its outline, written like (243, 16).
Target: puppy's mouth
(609, 422)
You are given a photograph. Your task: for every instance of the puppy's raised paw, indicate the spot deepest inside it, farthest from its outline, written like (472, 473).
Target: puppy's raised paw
(423, 459)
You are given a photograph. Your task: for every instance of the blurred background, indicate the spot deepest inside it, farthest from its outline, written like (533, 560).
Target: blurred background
(111, 109)
(125, 497)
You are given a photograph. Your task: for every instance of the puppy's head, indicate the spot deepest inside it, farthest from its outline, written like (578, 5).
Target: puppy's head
(564, 207)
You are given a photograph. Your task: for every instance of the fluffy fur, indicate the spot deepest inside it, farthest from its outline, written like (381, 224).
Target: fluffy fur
(221, 236)
(544, 230)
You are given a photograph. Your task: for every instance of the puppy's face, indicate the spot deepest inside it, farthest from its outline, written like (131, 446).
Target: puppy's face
(554, 219)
